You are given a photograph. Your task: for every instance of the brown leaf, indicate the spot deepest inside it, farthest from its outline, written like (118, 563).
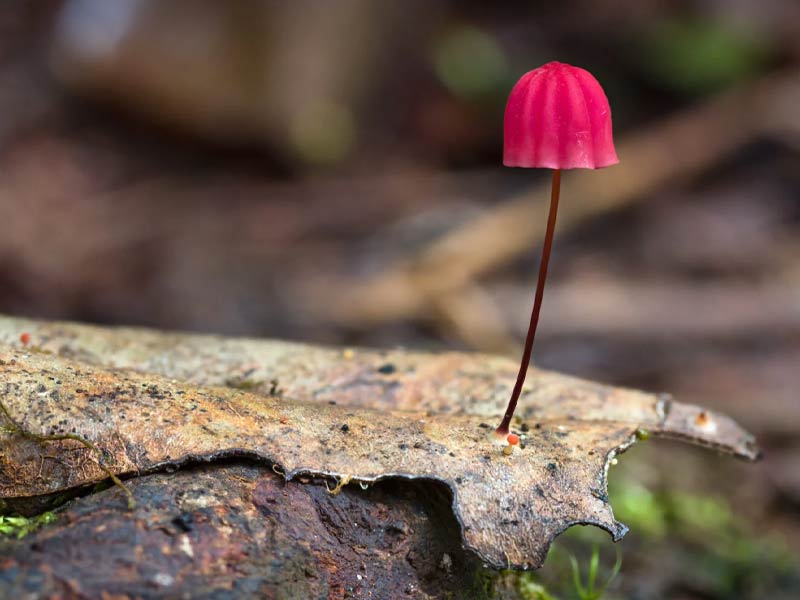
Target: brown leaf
(454, 383)
(509, 508)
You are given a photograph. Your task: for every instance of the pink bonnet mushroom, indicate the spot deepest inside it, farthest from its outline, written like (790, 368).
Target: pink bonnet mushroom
(557, 117)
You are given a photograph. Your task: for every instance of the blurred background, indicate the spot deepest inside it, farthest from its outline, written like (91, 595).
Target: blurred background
(331, 172)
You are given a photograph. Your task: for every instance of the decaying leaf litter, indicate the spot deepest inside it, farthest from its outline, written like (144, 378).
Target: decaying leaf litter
(233, 529)
(151, 400)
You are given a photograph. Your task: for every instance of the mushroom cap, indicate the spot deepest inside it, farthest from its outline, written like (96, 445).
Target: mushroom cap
(558, 117)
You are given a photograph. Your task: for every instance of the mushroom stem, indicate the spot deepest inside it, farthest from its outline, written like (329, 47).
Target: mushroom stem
(555, 189)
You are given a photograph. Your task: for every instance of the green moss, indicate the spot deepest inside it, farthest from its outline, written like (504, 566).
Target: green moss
(530, 588)
(19, 527)
(641, 510)
(716, 550)
(484, 584)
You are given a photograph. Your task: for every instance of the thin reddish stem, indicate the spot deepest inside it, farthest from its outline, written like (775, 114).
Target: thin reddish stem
(537, 304)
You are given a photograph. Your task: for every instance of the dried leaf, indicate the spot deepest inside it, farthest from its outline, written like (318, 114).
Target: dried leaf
(510, 508)
(446, 383)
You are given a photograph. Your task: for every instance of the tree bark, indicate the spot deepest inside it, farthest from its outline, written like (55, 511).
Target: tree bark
(237, 530)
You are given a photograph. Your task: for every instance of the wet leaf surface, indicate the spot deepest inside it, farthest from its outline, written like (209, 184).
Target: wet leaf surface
(237, 530)
(147, 401)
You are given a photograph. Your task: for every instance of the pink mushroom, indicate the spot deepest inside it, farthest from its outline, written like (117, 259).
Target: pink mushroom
(557, 117)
